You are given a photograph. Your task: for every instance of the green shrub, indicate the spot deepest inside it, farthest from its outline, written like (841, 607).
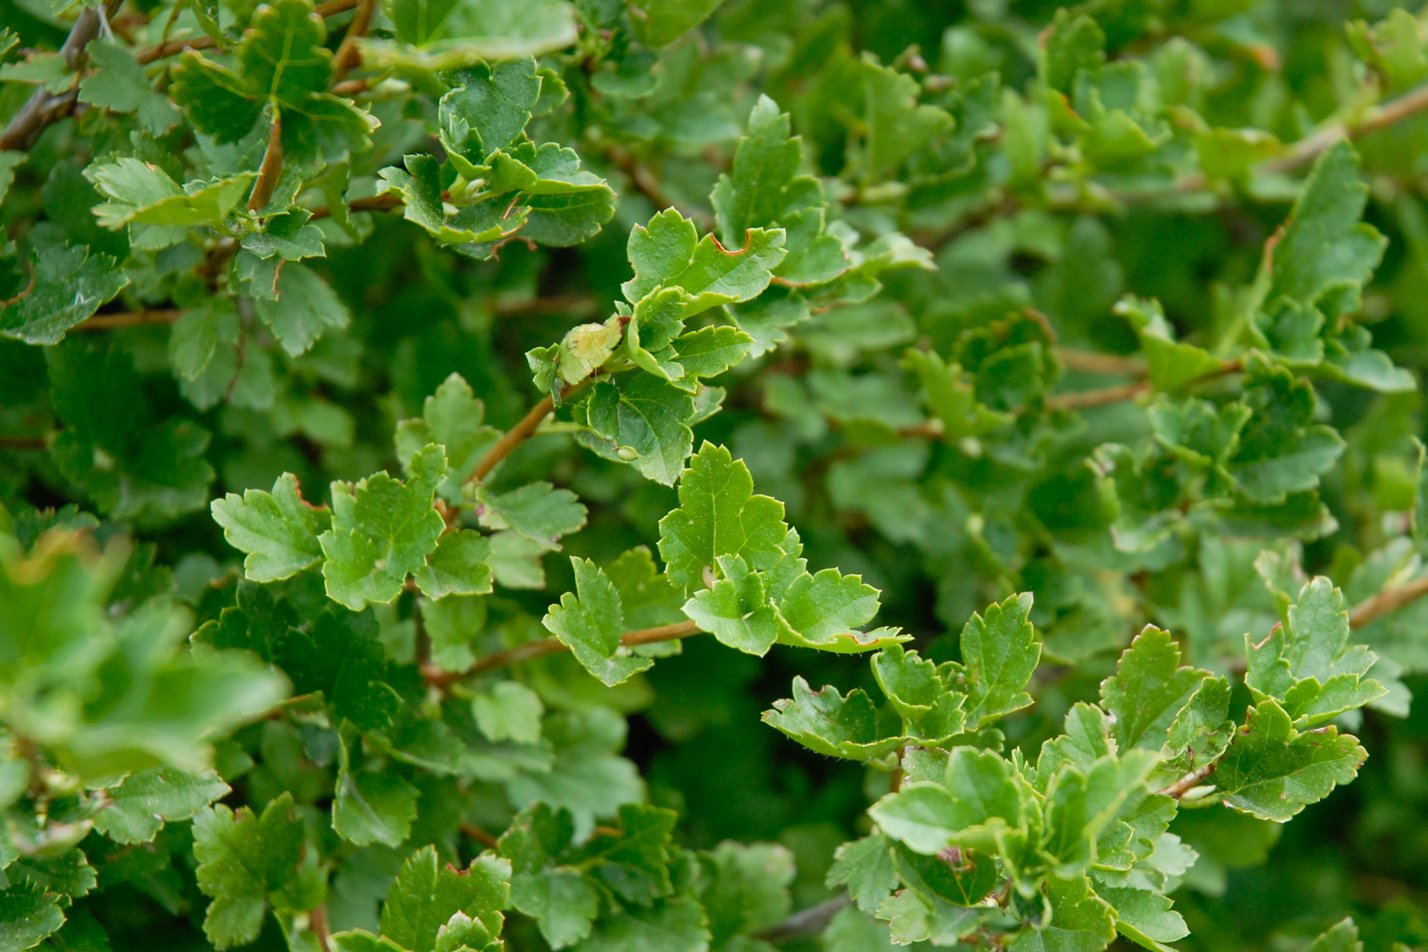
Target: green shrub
(1024, 397)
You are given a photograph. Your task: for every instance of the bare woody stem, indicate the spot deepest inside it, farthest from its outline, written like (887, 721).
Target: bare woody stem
(272, 168)
(549, 646)
(109, 322)
(1387, 601)
(1190, 781)
(347, 55)
(1087, 399)
(519, 433)
(45, 107)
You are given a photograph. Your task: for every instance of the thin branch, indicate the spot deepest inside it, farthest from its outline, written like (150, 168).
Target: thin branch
(472, 831)
(321, 931)
(272, 168)
(45, 107)
(1190, 781)
(372, 203)
(438, 678)
(1086, 399)
(1389, 600)
(810, 921)
(109, 322)
(24, 442)
(519, 433)
(348, 55)
(1308, 149)
(1091, 362)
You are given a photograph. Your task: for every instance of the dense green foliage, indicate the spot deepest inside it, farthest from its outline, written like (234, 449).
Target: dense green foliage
(1024, 397)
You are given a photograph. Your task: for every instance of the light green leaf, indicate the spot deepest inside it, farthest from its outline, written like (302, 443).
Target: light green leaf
(718, 514)
(1324, 246)
(865, 867)
(278, 531)
(538, 511)
(28, 916)
(590, 621)
(1273, 771)
(1149, 690)
(460, 565)
(736, 609)
(382, 531)
(830, 723)
(827, 608)
(144, 194)
(427, 894)
(1000, 652)
(974, 806)
(370, 807)
(661, 22)
(1080, 921)
(282, 55)
(508, 710)
(489, 108)
(563, 902)
(644, 416)
(138, 807)
(1144, 917)
(453, 417)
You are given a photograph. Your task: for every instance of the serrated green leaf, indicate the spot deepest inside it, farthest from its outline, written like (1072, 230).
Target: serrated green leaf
(645, 416)
(65, 285)
(489, 108)
(419, 187)
(829, 607)
(736, 608)
(830, 723)
(459, 565)
(217, 100)
(563, 903)
(278, 531)
(1324, 246)
(718, 514)
(372, 807)
(282, 55)
(1148, 690)
(590, 621)
(453, 417)
(975, 806)
(28, 916)
(508, 711)
(538, 511)
(661, 23)
(1080, 921)
(1272, 771)
(144, 194)
(138, 807)
(382, 531)
(456, 33)
(1307, 662)
(304, 308)
(668, 253)
(244, 862)
(1144, 917)
(1082, 803)
(1000, 652)
(865, 867)
(426, 895)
